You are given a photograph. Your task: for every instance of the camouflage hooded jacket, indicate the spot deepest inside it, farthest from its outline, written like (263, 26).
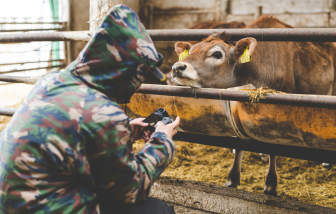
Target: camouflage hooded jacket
(70, 144)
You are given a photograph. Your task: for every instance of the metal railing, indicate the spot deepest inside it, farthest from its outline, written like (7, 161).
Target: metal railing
(261, 34)
(16, 57)
(20, 63)
(29, 24)
(32, 69)
(314, 35)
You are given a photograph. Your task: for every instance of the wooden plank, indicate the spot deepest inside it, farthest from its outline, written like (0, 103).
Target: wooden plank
(305, 20)
(185, 4)
(332, 19)
(133, 4)
(296, 20)
(78, 22)
(180, 21)
(98, 9)
(241, 7)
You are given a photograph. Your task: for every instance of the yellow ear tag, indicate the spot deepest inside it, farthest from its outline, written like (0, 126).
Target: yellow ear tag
(246, 56)
(184, 54)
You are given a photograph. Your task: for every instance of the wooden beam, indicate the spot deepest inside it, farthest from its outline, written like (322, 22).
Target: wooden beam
(98, 9)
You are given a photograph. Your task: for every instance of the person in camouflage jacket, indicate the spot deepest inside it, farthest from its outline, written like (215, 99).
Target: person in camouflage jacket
(70, 144)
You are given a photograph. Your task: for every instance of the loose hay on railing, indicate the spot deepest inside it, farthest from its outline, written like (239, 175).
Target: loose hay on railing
(260, 93)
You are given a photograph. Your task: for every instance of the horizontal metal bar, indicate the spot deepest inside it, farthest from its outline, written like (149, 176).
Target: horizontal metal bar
(19, 63)
(25, 30)
(324, 12)
(31, 69)
(311, 154)
(269, 34)
(7, 111)
(318, 101)
(46, 36)
(19, 79)
(264, 34)
(30, 23)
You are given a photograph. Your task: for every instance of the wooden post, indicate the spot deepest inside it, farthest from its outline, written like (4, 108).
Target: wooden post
(258, 12)
(146, 14)
(98, 9)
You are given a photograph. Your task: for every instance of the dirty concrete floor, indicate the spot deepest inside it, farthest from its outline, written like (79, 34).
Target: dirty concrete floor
(186, 210)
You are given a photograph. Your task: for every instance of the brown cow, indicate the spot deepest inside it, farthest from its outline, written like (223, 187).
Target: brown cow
(218, 25)
(151, 79)
(292, 67)
(207, 25)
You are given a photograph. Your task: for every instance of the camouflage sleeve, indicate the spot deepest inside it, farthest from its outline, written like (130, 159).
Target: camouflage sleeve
(117, 172)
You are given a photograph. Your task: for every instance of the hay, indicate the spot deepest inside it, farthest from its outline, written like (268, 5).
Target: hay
(297, 179)
(4, 120)
(12, 95)
(257, 94)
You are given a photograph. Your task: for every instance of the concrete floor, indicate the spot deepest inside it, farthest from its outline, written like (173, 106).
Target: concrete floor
(197, 197)
(186, 210)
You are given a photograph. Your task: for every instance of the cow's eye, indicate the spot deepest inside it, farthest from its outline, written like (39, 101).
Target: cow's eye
(217, 55)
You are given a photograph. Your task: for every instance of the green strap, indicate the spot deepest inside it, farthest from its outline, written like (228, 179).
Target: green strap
(54, 5)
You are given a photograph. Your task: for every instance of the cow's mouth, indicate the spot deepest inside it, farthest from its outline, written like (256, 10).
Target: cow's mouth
(184, 75)
(183, 81)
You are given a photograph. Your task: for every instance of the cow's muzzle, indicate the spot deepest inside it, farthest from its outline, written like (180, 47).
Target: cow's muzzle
(178, 68)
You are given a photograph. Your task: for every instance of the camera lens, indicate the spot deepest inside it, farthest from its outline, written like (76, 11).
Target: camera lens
(160, 110)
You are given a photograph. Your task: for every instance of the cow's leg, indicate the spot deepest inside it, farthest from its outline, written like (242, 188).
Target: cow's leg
(234, 175)
(271, 177)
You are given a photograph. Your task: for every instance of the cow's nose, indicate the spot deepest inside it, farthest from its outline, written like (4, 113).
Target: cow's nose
(178, 68)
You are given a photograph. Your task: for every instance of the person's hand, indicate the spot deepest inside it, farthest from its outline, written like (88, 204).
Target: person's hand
(168, 129)
(139, 131)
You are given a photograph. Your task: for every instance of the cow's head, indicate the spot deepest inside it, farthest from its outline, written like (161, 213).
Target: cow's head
(211, 63)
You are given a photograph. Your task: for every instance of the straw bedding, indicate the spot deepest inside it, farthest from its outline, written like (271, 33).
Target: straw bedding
(300, 180)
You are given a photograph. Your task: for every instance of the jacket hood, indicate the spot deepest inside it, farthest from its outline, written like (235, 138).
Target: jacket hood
(118, 57)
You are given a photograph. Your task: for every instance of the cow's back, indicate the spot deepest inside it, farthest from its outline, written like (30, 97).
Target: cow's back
(314, 67)
(311, 64)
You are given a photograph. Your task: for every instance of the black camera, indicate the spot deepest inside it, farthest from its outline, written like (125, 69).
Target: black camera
(159, 115)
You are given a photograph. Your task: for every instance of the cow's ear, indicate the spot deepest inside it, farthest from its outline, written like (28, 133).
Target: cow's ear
(181, 46)
(248, 44)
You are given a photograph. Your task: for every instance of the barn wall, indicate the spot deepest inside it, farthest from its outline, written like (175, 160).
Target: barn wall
(239, 7)
(299, 13)
(159, 14)
(162, 14)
